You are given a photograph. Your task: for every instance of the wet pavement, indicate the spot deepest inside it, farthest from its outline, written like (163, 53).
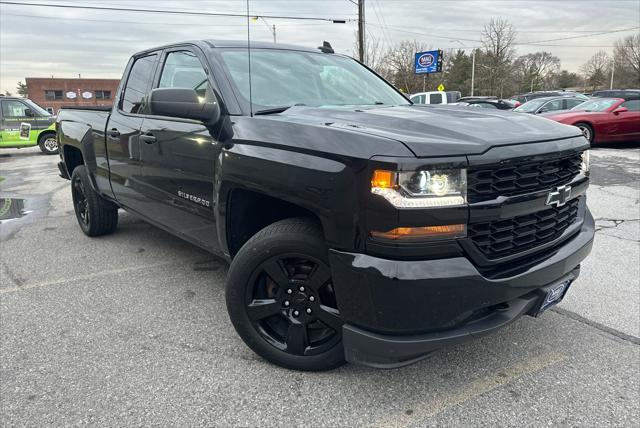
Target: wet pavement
(131, 329)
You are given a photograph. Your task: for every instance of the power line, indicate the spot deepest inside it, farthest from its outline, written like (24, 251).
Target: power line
(534, 43)
(58, 18)
(174, 12)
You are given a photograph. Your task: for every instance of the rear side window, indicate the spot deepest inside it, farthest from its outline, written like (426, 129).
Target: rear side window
(631, 105)
(138, 83)
(435, 99)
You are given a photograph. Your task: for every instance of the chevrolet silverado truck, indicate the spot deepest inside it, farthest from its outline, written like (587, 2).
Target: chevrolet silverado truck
(359, 227)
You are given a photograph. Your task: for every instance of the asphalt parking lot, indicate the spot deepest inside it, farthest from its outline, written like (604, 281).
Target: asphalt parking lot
(131, 329)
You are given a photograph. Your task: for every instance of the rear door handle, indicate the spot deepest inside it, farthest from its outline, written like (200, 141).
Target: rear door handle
(113, 133)
(148, 138)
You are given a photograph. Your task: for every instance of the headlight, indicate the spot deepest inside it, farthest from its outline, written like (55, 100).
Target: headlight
(584, 167)
(421, 189)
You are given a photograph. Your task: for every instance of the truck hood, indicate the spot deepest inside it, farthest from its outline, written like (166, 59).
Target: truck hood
(436, 130)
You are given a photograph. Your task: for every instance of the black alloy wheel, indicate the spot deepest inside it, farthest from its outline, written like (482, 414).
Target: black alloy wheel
(81, 205)
(281, 298)
(292, 305)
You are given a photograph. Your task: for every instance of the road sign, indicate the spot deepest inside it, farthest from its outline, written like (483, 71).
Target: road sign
(441, 87)
(428, 62)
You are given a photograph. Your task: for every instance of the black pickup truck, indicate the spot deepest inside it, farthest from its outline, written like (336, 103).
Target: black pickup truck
(359, 227)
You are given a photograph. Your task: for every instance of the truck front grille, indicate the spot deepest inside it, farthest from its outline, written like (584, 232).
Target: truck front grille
(489, 182)
(500, 238)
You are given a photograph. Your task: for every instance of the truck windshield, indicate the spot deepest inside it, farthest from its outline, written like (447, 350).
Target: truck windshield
(282, 78)
(39, 111)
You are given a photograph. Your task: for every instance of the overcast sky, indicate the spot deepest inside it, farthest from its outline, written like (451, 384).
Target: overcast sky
(45, 41)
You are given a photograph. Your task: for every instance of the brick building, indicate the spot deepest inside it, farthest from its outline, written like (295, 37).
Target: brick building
(53, 93)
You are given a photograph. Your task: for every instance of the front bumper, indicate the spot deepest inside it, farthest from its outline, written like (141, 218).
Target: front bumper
(396, 312)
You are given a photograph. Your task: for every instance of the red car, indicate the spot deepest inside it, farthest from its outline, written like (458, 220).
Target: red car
(604, 119)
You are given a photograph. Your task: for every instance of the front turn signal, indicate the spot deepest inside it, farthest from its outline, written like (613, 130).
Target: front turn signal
(422, 233)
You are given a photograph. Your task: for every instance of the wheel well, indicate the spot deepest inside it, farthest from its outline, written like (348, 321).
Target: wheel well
(72, 158)
(44, 134)
(249, 212)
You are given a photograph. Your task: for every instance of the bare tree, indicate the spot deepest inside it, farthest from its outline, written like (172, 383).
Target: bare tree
(373, 53)
(627, 57)
(596, 69)
(536, 70)
(498, 38)
(399, 67)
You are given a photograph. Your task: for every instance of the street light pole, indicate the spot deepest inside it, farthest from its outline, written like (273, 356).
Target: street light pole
(473, 69)
(271, 28)
(613, 67)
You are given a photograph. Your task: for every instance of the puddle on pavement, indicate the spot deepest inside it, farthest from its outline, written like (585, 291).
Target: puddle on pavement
(18, 212)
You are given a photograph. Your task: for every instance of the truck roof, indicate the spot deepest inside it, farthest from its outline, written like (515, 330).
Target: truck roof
(233, 44)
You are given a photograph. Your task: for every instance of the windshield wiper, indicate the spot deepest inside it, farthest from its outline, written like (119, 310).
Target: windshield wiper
(274, 110)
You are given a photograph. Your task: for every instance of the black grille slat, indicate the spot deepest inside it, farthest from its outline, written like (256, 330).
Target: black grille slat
(488, 183)
(501, 238)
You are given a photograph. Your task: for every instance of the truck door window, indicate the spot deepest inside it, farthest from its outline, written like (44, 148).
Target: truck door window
(136, 91)
(182, 69)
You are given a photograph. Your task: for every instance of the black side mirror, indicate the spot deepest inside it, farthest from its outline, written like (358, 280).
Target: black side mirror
(184, 103)
(28, 112)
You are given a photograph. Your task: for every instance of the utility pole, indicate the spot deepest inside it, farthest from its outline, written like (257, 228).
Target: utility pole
(473, 68)
(613, 67)
(274, 33)
(361, 46)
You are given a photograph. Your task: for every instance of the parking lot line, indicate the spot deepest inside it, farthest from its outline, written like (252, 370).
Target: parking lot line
(427, 409)
(83, 277)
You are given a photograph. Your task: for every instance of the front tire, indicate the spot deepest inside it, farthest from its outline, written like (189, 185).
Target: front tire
(48, 144)
(95, 215)
(281, 300)
(587, 131)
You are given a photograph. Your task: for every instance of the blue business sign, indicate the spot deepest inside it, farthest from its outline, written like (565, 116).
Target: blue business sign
(428, 62)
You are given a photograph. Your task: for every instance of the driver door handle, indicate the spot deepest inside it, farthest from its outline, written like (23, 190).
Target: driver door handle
(148, 138)
(113, 133)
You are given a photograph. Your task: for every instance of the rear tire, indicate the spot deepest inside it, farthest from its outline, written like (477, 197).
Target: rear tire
(280, 297)
(48, 144)
(587, 131)
(95, 215)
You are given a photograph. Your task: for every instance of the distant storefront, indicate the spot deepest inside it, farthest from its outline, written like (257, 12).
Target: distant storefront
(54, 93)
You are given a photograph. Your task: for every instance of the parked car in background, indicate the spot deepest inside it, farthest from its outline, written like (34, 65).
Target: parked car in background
(545, 94)
(627, 94)
(24, 123)
(489, 104)
(604, 119)
(545, 105)
(433, 97)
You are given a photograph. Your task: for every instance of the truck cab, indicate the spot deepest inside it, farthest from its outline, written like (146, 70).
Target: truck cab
(433, 97)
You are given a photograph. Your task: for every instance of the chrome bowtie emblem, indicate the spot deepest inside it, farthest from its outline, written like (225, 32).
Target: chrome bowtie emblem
(560, 196)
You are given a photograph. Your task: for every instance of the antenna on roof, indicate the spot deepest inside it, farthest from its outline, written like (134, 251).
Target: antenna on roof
(326, 47)
(249, 55)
